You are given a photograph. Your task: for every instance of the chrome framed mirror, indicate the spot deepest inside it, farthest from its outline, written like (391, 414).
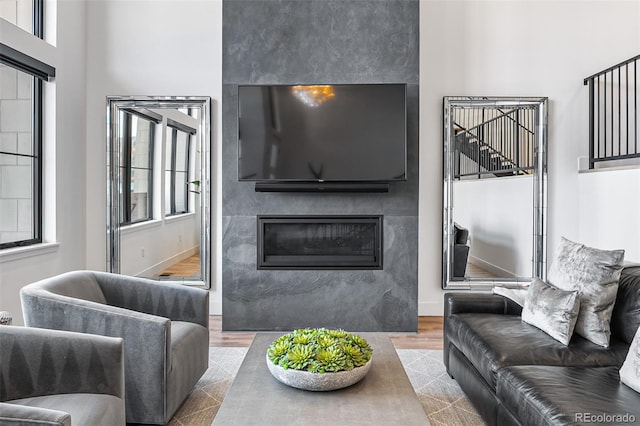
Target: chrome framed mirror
(494, 192)
(158, 187)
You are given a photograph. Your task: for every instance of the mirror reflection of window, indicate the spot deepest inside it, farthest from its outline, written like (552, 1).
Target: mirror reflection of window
(136, 168)
(178, 162)
(168, 161)
(182, 166)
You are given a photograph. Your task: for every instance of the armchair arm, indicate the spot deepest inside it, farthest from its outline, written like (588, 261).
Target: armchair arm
(37, 362)
(14, 414)
(176, 302)
(457, 303)
(480, 303)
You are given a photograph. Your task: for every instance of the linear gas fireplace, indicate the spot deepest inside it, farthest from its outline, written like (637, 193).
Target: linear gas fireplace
(319, 242)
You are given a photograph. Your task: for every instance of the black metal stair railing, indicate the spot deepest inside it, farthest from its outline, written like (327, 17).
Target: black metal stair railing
(493, 142)
(614, 114)
(489, 160)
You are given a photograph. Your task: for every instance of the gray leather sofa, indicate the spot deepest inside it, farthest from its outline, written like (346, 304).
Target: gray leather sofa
(164, 327)
(52, 377)
(515, 374)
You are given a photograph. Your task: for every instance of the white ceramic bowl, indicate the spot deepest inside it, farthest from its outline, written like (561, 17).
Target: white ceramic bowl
(318, 381)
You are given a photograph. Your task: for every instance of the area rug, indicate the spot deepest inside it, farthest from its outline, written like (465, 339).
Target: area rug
(441, 397)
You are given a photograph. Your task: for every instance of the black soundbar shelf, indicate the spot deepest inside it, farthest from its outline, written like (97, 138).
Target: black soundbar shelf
(321, 187)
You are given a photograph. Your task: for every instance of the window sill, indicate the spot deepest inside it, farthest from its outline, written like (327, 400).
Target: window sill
(130, 229)
(178, 217)
(17, 253)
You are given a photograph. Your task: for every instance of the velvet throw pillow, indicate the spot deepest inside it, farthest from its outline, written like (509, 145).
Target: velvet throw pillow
(594, 274)
(552, 310)
(630, 370)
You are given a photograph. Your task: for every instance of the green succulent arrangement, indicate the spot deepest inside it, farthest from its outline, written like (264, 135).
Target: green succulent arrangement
(319, 350)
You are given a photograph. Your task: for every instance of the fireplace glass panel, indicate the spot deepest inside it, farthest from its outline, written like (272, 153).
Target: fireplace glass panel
(319, 242)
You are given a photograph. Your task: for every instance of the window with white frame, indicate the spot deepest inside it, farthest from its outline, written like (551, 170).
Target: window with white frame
(21, 140)
(177, 168)
(20, 159)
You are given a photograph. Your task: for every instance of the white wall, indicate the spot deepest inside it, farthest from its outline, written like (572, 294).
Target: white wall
(516, 48)
(149, 248)
(609, 210)
(65, 153)
(497, 213)
(166, 48)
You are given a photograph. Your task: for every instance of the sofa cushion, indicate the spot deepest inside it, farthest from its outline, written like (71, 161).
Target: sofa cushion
(543, 395)
(625, 319)
(552, 310)
(84, 408)
(595, 274)
(630, 370)
(489, 342)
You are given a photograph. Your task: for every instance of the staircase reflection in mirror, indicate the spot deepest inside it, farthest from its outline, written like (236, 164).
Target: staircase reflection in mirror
(495, 189)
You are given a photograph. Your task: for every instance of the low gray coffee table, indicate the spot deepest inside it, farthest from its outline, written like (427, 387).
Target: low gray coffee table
(384, 397)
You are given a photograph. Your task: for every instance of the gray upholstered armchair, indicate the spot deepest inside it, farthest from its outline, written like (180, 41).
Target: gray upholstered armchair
(57, 377)
(164, 327)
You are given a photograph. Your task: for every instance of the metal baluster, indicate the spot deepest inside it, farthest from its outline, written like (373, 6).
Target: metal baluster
(526, 120)
(508, 140)
(626, 69)
(599, 116)
(480, 134)
(591, 122)
(612, 113)
(499, 140)
(604, 116)
(517, 136)
(511, 139)
(619, 112)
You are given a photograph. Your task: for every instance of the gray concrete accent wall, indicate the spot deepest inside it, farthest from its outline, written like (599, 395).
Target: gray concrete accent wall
(346, 41)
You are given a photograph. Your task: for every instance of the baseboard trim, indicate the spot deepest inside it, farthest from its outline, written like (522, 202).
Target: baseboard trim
(157, 268)
(496, 270)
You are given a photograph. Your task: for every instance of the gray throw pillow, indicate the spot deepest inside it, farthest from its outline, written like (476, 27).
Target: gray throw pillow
(630, 370)
(552, 310)
(594, 274)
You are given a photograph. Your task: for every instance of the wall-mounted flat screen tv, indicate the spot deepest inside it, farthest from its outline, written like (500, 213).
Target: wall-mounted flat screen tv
(322, 133)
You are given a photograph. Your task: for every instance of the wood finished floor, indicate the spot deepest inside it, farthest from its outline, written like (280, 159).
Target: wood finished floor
(429, 335)
(188, 267)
